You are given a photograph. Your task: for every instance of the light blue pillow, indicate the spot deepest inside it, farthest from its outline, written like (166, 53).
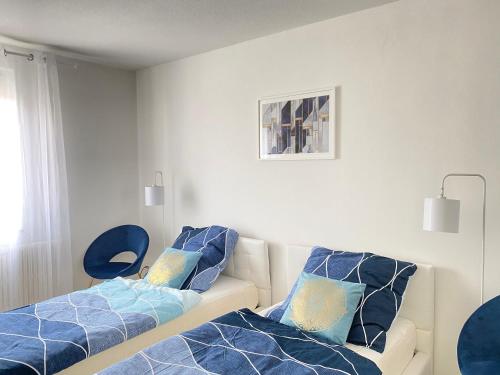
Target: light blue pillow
(172, 268)
(385, 278)
(323, 306)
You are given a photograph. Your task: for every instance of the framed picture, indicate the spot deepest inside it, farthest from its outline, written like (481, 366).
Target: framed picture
(298, 126)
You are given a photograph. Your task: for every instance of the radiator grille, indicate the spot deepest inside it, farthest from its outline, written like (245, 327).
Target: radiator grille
(25, 275)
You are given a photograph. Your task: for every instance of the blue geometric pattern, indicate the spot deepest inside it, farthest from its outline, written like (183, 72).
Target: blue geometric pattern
(216, 243)
(385, 278)
(242, 342)
(49, 336)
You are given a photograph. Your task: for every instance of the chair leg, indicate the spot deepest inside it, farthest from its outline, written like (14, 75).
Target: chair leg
(143, 272)
(91, 282)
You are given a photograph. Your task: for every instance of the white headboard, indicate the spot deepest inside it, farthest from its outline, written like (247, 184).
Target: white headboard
(250, 261)
(418, 304)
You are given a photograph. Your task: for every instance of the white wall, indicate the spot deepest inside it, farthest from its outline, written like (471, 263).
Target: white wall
(418, 87)
(100, 133)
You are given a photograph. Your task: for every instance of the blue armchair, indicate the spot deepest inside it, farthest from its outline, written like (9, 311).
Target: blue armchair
(479, 342)
(97, 260)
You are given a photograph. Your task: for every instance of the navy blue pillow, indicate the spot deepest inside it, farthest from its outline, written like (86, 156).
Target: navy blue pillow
(385, 278)
(216, 244)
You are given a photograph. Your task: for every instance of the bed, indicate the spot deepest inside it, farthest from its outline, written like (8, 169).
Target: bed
(245, 283)
(244, 342)
(410, 341)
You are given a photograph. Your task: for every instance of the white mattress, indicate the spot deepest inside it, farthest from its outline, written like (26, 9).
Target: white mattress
(227, 294)
(399, 349)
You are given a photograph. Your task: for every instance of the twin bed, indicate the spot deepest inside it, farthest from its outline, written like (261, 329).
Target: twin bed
(245, 283)
(260, 344)
(410, 340)
(87, 330)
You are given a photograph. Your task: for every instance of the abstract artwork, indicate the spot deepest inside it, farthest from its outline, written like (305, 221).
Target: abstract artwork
(299, 126)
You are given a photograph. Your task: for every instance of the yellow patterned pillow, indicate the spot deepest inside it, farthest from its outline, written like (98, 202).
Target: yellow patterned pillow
(323, 306)
(173, 267)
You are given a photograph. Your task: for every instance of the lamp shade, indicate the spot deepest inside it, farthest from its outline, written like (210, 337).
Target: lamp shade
(441, 215)
(153, 195)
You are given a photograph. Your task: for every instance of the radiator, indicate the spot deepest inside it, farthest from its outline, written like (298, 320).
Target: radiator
(25, 275)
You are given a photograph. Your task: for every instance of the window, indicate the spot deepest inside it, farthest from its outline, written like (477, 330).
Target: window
(11, 186)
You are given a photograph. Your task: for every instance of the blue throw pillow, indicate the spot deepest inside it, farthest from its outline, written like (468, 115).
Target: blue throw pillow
(172, 268)
(385, 278)
(216, 244)
(323, 306)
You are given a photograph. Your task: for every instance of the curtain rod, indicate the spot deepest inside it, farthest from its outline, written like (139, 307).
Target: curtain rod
(29, 56)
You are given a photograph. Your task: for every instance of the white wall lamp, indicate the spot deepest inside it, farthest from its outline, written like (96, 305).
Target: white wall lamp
(443, 215)
(154, 195)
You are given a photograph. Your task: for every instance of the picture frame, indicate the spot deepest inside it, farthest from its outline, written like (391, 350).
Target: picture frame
(298, 126)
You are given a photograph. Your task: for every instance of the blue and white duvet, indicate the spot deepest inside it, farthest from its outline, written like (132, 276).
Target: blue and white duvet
(49, 336)
(245, 343)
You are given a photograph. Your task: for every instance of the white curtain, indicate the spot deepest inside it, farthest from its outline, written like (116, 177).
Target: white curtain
(35, 253)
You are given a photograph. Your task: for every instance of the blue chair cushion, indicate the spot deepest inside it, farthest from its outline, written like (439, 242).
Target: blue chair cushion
(216, 244)
(110, 270)
(385, 278)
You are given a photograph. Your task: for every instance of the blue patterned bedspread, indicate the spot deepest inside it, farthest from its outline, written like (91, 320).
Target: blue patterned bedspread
(50, 336)
(244, 343)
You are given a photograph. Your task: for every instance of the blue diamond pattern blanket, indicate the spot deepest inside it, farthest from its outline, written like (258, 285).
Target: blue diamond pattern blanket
(49, 336)
(245, 343)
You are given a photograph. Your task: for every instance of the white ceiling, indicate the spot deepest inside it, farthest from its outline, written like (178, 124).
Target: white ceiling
(139, 33)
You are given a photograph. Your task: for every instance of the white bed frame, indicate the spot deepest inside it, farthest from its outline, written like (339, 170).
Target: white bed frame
(249, 262)
(418, 306)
